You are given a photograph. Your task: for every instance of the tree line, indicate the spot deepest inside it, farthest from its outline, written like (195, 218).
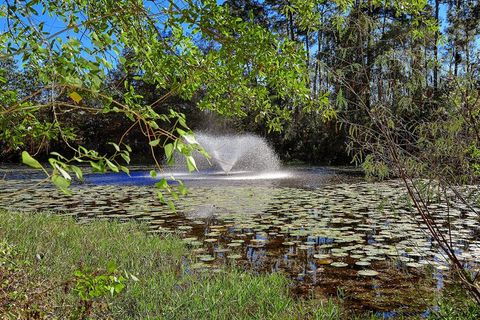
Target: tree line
(413, 62)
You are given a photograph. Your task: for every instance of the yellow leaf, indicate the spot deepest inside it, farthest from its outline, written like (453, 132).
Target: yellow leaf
(75, 97)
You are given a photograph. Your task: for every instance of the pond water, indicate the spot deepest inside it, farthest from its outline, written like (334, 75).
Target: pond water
(328, 229)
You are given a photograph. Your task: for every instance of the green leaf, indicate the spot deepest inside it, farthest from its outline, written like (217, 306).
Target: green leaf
(78, 172)
(97, 166)
(160, 197)
(204, 153)
(58, 155)
(117, 148)
(30, 161)
(154, 143)
(190, 138)
(182, 121)
(154, 125)
(153, 173)
(62, 171)
(61, 183)
(125, 156)
(112, 166)
(181, 187)
(191, 165)
(111, 267)
(171, 205)
(168, 148)
(162, 184)
(125, 169)
(181, 132)
(119, 287)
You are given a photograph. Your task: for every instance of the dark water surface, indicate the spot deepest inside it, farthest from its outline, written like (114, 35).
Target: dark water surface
(329, 230)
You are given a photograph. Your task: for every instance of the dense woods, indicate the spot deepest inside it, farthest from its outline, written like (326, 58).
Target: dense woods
(415, 63)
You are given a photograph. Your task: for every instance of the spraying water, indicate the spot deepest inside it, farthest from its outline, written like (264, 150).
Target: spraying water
(242, 152)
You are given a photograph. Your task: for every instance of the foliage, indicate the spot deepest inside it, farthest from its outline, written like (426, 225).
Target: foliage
(92, 286)
(419, 128)
(245, 68)
(405, 92)
(400, 78)
(164, 288)
(256, 63)
(455, 305)
(22, 297)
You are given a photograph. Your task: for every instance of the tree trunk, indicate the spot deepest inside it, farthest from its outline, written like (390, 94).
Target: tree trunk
(435, 48)
(456, 54)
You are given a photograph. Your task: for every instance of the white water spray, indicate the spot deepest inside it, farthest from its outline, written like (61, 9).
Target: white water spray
(242, 152)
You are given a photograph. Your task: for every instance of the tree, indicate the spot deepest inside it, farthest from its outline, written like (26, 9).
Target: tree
(429, 141)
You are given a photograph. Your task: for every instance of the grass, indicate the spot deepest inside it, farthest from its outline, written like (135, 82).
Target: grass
(454, 304)
(49, 249)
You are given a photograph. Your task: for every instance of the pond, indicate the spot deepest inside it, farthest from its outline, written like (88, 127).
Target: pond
(332, 232)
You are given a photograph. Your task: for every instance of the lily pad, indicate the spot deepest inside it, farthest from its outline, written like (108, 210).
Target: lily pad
(324, 261)
(414, 265)
(362, 263)
(339, 264)
(367, 273)
(206, 258)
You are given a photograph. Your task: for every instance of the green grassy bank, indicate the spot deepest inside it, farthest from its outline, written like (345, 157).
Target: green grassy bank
(52, 267)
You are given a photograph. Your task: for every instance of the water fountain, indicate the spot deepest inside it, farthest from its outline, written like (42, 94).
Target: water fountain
(239, 157)
(235, 159)
(234, 153)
